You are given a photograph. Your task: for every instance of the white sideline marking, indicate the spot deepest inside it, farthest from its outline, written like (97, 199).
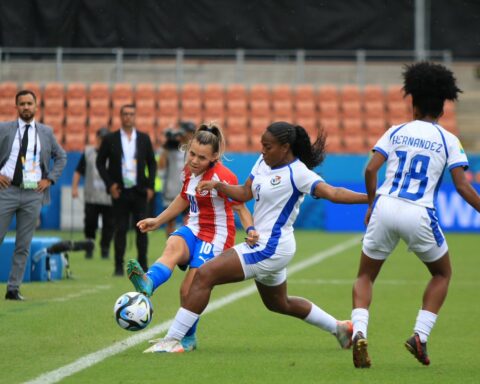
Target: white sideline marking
(81, 293)
(96, 357)
(377, 282)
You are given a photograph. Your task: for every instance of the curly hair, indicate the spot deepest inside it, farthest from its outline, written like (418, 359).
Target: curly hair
(430, 85)
(295, 135)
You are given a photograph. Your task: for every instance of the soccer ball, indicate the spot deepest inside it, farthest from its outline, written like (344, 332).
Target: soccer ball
(133, 311)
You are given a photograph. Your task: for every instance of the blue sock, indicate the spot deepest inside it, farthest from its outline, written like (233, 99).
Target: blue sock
(192, 330)
(159, 273)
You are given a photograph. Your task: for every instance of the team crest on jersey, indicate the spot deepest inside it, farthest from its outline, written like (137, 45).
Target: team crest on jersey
(203, 193)
(276, 180)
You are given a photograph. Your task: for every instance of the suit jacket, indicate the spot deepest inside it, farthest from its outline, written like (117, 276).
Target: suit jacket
(50, 149)
(109, 161)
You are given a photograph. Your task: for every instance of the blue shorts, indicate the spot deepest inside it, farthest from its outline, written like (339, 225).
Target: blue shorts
(200, 251)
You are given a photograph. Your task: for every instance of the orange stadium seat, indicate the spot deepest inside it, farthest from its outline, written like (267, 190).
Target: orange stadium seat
(147, 124)
(373, 92)
(352, 126)
(282, 110)
(8, 109)
(165, 122)
(329, 110)
(394, 93)
(352, 110)
(305, 108)
(77, 107)
(35, 88)
(354, 144)
(76, 124)
(260, 108)
(56, 122)
(334, 144)
(237, 142)
(259, 92)
(374, 110)
(54, 90)
(191, 91)
(255, 144)
(115, 122)
(375, 127)
(53, 107)
(327, 93)
(122, 91)
(98, 91)
(236, 125)
(97, 122)
(214, 111)
(99, 108)
(214, 91)
(304, 92)
(310, 125)
(144, 91)
(398, 113)
(192, 107)
(75, 141)
(8, 90)
(330, 125)
(76, 91)
(237, 108)
(350, 93)
(236, 92)
(282, 92)
(117, 104)
(167, 91)
(168, 108)
(258, 125)
(370, 142)
(145, 108)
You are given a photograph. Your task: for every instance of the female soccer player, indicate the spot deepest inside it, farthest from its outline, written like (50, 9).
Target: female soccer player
(416, 154)
(210, 228)
(278, 182)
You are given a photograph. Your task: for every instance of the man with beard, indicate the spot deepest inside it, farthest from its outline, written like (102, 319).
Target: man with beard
(26, 148)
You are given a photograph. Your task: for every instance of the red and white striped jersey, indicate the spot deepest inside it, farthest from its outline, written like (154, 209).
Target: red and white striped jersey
(211, 216)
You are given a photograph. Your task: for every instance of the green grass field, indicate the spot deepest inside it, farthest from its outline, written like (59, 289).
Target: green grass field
(71, 321)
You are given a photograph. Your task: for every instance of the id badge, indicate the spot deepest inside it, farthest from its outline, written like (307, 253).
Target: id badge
(30, 176)
(129, 174)
(30, 185)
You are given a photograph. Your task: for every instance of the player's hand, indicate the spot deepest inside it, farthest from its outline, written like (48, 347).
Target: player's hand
(206, 185)
(115, 191)
(147, 225)
(4, 182)
(43, 184)
(368, 215)
(75, 192)
(252, 237)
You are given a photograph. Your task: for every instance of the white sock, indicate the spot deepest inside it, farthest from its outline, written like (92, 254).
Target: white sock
(424, 324)
(184, 320)
(321, 319)
(360, 321)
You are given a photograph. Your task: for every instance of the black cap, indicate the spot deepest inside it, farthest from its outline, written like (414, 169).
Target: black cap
(187, 127)
(102, 132)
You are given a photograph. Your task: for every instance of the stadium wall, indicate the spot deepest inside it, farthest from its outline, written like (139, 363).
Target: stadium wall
(341, 170)
(307, 24)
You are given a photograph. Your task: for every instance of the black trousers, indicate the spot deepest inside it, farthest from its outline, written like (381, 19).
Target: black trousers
(132, 204)
(92, 212)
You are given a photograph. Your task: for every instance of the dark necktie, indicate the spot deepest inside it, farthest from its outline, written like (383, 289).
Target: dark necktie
(18, 174)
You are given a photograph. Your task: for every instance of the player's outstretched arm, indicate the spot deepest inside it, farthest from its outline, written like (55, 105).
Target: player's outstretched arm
(240, 193)
(339, 194)
(464, 188)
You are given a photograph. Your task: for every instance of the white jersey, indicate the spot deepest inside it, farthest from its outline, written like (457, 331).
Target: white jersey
(278, 193)
(417, 154)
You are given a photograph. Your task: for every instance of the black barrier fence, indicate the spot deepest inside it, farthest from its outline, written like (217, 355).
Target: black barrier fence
(248, 24)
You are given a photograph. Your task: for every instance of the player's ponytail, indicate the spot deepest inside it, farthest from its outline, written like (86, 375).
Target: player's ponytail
(295, 135)
(211, 134)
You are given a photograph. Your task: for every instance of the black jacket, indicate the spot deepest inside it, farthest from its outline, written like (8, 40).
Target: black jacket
(109, 161)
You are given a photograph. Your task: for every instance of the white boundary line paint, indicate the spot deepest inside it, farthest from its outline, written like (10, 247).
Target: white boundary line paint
(82, 293)
(120, 346)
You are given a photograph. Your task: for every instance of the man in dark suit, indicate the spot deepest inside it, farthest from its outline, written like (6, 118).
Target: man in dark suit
(126, 163)
(26, 148)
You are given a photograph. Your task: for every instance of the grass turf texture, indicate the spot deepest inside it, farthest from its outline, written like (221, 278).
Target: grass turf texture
(242, 342)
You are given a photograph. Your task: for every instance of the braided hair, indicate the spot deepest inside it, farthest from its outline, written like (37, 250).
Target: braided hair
(301, 146)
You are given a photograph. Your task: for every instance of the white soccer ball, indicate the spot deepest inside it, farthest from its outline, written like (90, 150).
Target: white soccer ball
(133, 311)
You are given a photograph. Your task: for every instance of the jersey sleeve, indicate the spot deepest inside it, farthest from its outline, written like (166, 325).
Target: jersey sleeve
(253, 172)
(306, 180)
(82, 165)
(183, 192)
(383, 144)
(456, 154)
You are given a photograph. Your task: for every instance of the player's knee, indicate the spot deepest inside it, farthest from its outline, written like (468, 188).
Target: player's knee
(202, 279)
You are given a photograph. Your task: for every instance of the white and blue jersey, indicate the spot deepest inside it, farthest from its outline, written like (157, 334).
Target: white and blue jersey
(417, 154)
(278, 193)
